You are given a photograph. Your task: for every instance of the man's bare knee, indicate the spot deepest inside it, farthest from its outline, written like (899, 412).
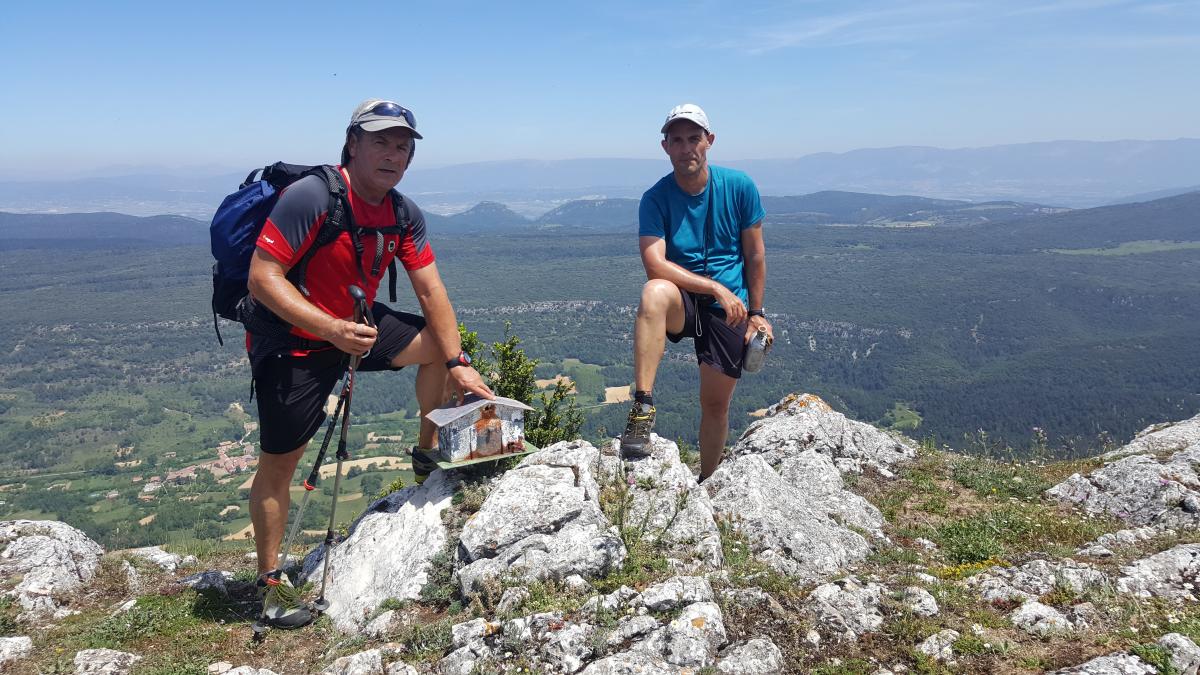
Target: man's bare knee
(274, 467)
(656, 296)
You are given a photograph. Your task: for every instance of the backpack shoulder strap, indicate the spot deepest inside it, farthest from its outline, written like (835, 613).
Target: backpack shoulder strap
(338, 217)
(404, 222)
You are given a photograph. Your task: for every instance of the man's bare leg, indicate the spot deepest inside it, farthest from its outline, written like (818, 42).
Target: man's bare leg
(269, 502)
(430, 388)
(716, 391)
(659, 312)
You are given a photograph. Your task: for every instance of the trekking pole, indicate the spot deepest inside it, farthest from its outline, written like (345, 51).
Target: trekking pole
(361, 313)
(310, 483)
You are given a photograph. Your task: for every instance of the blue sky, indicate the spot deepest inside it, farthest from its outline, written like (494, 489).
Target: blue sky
(90, 85)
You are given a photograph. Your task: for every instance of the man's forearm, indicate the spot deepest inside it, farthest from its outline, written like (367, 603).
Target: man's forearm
(285, 301)
(440, 319)
(756, 280)
(688, 281)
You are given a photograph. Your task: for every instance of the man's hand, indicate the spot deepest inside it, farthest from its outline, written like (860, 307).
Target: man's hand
(467, 381)
(356, 339)
(735, 311)
(757, 322)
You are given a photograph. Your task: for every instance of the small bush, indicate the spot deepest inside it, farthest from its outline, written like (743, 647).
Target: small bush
(1155, 655)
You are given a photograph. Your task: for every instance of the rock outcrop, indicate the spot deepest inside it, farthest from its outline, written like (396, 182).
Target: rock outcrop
(541, 521)
(1156, 439)
(49, 558)
(14, 649)
(666, 504)
(1152, 480)
(104, 662)
(805, 422)
(387, 553)
(782, 488)
(1170, 574)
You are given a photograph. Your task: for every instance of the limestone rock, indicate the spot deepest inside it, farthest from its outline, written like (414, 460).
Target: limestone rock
(14, 649)
(1169, 574)
(381, 625)
(369, 662)
(784, 525)
(1034, 579)
(1161, 438)
(214, 580)
(1037, 619)
(1113, 664)
(387, 554)
(1104, 544)
(759, 656)
(940, 645)
(615, 601)
(50, 558)
(695, 636)
(133, 580)
(846, 608)
(1085, 615)
(168, 562)
(248, 670)
(675, 510)
(1185, 655)
(541, 521)
(511, 599)
(1140, 489)
(799, 423)
(920, 601)
(630, 628)
(566, 650)
(104, 662)
(633, 663)
(675, 592)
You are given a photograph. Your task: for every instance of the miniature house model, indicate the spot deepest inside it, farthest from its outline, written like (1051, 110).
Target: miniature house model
(480, 428)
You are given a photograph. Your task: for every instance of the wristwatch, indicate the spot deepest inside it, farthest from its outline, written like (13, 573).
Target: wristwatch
(757, 312)
(461, 360)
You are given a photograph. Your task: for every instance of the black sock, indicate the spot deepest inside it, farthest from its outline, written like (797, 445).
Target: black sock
(643, 397)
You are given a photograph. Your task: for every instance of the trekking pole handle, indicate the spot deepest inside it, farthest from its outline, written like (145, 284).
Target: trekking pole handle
(362, 313)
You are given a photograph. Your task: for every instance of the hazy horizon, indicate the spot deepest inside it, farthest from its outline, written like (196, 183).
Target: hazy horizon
(181, 85)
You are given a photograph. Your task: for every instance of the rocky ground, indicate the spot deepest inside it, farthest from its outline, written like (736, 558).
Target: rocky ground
(821, 545)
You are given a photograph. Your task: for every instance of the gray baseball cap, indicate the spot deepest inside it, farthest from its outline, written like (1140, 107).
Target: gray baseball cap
(376, 114)
(687, 111)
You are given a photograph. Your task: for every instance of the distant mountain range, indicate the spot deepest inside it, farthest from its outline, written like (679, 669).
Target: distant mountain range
(1007, 224)
(1060, 173)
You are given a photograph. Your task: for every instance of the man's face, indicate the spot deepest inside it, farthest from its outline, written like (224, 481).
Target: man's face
(687, 145)
(379, 159)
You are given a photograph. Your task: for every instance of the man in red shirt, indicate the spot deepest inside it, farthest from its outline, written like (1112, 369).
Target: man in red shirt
(294, 376)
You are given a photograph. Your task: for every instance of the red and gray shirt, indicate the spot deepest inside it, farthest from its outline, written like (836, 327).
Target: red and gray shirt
(292, 228)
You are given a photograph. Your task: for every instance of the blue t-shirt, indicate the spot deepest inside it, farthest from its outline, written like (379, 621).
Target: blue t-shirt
(668, 212)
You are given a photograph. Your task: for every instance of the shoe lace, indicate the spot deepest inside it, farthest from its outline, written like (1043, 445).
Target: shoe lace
(285, 595)
(639, 418)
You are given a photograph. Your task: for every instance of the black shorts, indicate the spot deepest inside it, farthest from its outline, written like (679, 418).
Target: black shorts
(292, 390)
(717, 343)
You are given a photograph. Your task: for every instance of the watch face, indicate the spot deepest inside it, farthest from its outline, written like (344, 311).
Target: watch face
(464, 359)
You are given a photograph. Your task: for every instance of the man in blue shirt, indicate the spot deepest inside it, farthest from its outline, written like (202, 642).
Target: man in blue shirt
(700, 234)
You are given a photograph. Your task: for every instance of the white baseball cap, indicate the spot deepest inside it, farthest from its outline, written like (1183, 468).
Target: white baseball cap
(690, 112)
(376, 114)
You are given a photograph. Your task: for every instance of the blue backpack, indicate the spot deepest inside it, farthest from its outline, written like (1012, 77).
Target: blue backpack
(234, 234)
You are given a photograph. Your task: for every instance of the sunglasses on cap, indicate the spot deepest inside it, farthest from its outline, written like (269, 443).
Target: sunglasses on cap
(389, 109)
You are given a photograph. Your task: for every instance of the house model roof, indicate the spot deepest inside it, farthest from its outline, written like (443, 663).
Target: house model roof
(450, 412)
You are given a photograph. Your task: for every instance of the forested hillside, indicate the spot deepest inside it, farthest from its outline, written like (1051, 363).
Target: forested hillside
(1052, 333)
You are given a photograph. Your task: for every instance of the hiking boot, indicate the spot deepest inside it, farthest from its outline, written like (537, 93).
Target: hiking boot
(281, 606)
(635, 442)
(423, 463)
